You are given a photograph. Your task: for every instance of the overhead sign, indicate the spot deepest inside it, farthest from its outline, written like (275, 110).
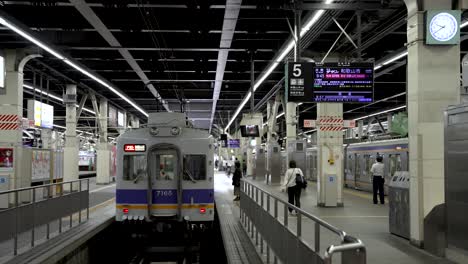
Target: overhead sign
(349, 123)
(41, 113)
(134, 147)
(330, 82)
(234, 143)
(299, 81)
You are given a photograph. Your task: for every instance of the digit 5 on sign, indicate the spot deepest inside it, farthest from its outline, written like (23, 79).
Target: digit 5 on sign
(297, 71)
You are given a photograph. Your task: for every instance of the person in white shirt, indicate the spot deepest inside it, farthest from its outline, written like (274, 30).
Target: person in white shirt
(378, 179)
(289, 183)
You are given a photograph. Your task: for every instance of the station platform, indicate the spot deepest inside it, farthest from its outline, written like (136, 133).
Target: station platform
(237, 243)
(360, 218)
(101, 215)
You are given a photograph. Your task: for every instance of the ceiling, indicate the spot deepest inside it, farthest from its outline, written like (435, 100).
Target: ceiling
(176, 49)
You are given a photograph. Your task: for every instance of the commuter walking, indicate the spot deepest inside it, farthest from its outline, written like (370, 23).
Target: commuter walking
(236, 180)
(378, 179)
(293, 179)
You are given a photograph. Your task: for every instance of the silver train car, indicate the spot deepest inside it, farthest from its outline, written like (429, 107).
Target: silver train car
(359, 158)
(165, 173)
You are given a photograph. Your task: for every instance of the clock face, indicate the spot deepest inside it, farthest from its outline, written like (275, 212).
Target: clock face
(443, 27)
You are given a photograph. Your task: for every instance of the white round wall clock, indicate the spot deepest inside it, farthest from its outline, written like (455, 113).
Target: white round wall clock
(443, 26)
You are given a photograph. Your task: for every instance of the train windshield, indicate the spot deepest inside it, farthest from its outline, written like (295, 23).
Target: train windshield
(194, 167)
(134, 166)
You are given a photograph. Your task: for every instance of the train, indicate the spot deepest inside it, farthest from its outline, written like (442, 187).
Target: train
(165, 173)
(358, 159)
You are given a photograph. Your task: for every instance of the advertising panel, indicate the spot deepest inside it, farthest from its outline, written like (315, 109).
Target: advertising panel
(6, 159)
(40, 164)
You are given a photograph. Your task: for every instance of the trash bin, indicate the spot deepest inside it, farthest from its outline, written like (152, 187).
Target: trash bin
(399, 208)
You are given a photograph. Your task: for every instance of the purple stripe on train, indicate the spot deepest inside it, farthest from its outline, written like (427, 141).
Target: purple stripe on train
(165, 196)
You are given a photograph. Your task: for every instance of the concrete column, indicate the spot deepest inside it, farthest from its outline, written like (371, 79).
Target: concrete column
(134, 122)
(11, 103)
(389, 122)
(330, 158)
(360, 128)
(433, 84)
(103, 151)
(291, 124)
(70, 151)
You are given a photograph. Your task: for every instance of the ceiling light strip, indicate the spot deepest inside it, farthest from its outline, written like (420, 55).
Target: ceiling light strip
(68, 61)
(276, 61)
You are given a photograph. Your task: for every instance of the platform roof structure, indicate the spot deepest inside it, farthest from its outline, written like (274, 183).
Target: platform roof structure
(175, 49)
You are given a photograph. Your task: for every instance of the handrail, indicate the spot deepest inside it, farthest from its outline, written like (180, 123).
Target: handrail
(330, 227)
(40, 186)
(12, 214)
(348, 243)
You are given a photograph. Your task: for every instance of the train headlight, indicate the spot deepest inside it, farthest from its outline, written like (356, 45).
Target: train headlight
(154, 131)
(175, 131)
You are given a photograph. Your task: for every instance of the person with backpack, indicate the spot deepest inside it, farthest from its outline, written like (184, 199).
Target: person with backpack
(294, 182)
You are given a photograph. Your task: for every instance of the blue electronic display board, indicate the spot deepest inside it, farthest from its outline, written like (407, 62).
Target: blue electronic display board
(347, 83)
(234, 143)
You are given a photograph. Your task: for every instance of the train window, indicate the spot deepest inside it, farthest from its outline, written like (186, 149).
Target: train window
(194, 167)
(166, 169)
(395, 163)
(134, 166)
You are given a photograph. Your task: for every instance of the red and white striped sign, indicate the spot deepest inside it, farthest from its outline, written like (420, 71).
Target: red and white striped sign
(331, 128)
(9, 122)
(9, 126)
(9, 118)
(330, 120)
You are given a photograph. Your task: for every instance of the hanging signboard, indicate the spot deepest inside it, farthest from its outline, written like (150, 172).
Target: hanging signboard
(234, 143)
(120, 119)
(41, 113)
(299, 81)
(330, 82)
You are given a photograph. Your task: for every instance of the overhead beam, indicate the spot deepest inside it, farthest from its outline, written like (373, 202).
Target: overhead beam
(96, 22)
(163, 49)
(354, 6)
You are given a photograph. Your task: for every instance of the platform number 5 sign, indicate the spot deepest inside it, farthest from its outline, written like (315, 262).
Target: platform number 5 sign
(299, 81)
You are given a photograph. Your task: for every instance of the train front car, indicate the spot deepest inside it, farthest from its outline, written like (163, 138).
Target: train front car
(165, 174)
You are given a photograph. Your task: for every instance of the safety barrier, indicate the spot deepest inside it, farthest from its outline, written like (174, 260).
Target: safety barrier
(37, 206)
(289, 246)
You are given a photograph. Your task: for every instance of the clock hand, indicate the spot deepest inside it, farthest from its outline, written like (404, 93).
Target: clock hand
(438, 30)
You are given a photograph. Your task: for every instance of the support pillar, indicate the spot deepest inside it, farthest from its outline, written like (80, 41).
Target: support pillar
(70, 151)
(433, 84)
(360, 128)
(330, 158)
(11, 103)
(389, 122)
(103, 151)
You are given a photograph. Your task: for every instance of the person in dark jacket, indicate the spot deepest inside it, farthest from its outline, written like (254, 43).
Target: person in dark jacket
(236, 181)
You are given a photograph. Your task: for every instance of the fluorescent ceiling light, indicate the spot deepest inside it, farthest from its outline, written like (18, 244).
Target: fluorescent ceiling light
(290, 45)
(280, 115)
(464, 24)
(60, 126)
(395, 58)
(69, 62)
(379, 113)
(55, 97)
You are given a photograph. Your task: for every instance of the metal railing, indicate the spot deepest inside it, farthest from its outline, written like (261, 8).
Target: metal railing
(33, 207)
(262, 219)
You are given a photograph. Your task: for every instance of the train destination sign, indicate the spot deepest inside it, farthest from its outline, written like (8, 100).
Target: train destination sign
(330, 82)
